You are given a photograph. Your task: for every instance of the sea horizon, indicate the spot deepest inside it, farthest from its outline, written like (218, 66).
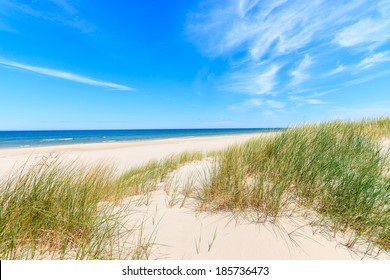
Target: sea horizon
(41, 138)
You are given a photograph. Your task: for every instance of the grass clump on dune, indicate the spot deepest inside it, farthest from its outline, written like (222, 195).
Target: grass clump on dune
(66, 211)
(335, 168)
(376, 128)
(55, 209)
(144, 179)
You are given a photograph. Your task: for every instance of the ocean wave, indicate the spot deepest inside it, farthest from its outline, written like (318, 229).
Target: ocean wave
(24, 146)
(57, 139)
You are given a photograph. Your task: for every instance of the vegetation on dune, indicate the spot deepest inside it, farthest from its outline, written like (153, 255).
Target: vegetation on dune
(54, 209)
(70, 211)
(144, 179)
(338, 169)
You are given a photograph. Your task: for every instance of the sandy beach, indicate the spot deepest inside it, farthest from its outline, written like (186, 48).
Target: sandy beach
(176, 227)
(121, 155)
(195, 138)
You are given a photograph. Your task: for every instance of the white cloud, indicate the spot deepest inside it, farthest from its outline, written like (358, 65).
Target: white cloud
(266, 33)
(275, 104)
(300, 74)
(307, 99)
(277, 27)
(244, 6)
(367, 31)
(384, 7)
(252, 81)
(50, 14)
(314, 101)
(246, 105)
(370, 61)
(276, 47)
(266, 81)
(337, 70)
(65, 75)
(366, 78)
(254, 103)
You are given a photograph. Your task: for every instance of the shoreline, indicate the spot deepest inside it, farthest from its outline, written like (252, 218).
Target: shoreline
(29, 139)
(121, 155)
(127, 142)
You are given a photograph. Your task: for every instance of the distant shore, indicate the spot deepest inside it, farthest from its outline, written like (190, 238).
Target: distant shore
(122, 154)
(43, 138)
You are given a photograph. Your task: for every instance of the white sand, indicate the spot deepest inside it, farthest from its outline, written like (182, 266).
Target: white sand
(121, 155)
(178, 229)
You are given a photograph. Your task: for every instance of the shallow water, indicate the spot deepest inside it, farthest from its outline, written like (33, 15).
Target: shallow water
(60, 137)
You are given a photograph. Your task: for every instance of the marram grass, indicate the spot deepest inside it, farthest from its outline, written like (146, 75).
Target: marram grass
(65, 211)
(144, 179)
(54, 209)
(337, 169)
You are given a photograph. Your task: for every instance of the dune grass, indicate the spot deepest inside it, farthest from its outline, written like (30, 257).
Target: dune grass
(146, 178)
(377, 128)
(336, 169)
(54, 209)
(68, 211)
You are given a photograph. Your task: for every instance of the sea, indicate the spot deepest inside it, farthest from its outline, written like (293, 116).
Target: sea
(25, 139)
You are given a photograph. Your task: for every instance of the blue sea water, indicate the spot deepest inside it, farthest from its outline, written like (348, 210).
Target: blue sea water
(10, 139)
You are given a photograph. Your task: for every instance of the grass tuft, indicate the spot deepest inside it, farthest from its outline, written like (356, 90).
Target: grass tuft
(145, 179)
(335, 168)
(66, 211)
(54, 209)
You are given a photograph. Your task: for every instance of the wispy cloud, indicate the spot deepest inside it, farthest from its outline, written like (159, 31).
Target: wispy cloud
(62, 12)
(300, 74)
(277, 27)
(311, 100)
(371, 32)
(65, 75)
(247, 104)
(274, 46)
(255, 103)
(370, 61)
(315, 101)
(366, 78)
(251, 81)
(275, 104)
(266, 81)
(66, 6)
(337, 70)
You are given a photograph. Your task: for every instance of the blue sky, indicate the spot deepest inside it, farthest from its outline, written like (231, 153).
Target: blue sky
(78, 64)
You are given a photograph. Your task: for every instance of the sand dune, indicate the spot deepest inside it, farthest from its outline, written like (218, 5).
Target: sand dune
(179, 230)
(172, 222)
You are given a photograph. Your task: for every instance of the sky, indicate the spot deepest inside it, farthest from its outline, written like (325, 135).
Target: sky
(79, 64)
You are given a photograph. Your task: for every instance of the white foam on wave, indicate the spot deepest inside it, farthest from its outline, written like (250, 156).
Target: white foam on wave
(57, 139)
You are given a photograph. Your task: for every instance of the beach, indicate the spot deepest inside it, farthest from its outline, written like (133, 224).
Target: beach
(174, 223)
(120, 155)
(194, 138)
